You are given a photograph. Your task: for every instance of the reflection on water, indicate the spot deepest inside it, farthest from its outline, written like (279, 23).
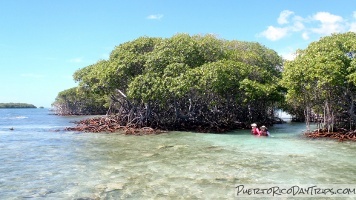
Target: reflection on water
(178, 165)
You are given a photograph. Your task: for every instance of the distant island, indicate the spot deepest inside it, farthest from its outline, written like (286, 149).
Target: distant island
(16, 105)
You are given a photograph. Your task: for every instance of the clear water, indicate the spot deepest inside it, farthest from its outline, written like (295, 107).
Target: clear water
(39, 162)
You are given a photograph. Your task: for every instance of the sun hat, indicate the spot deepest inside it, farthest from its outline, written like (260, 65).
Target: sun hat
(263, 127)
(253, 125)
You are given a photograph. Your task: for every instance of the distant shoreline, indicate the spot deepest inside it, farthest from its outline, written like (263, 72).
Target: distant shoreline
(16, 105)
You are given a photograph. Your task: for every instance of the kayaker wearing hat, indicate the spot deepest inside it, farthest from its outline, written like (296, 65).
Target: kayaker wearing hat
(254, 130)
(264, 131)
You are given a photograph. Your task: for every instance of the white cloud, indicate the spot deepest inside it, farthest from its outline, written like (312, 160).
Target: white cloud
(277, 33)
(289, 53)
(32, 75)
(274, 33)
(155, 17)
(283, 17)
(326, 17)
(297, 26)
(305, 36)
(319, 24)
(329, 23)
(289, 56)
(76, 60)
(353, 27)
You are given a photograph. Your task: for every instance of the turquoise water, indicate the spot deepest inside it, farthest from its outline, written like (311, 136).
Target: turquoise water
(40, 161)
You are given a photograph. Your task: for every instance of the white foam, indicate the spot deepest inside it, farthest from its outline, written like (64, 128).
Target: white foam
(20, 117)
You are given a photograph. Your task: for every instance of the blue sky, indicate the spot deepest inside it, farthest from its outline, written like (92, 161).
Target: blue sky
(43, 42)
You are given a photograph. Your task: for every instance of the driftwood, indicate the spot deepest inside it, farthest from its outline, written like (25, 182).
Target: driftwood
(111, 124)
(340, 134)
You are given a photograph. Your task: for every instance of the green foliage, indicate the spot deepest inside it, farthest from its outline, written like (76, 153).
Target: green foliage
(221, 77)
(77, 101)
(186, 77)
(16, 105)
(323, 75)
(254, 54)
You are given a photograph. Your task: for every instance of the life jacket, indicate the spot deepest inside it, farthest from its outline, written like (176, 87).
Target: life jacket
(264, 132)
(255, 131)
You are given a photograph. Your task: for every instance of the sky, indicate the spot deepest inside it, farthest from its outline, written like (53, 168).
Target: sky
(43, 42)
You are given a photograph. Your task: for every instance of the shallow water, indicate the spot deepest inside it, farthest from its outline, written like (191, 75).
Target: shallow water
(38, 161)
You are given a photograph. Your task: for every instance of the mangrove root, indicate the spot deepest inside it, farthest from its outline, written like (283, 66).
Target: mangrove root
(110, 124)
(340, 135)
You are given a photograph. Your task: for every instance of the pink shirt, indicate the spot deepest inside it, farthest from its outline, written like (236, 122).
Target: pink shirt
(255, 131)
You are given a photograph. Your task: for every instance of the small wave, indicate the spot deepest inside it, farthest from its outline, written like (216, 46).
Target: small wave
(20, 117)
(16, 117)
